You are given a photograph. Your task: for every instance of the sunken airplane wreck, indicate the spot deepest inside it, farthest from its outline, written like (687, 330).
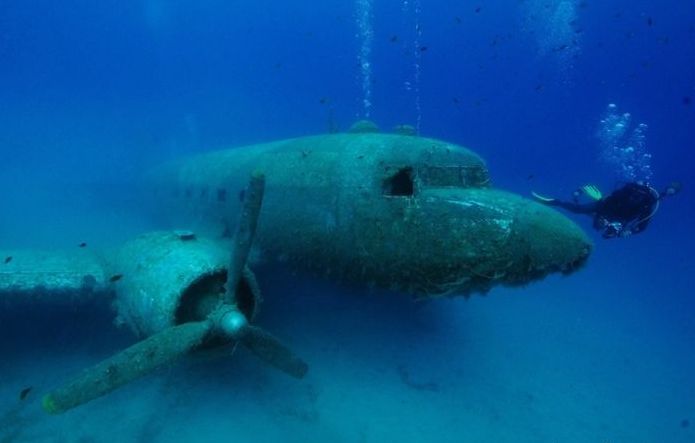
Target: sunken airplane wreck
(400, 212)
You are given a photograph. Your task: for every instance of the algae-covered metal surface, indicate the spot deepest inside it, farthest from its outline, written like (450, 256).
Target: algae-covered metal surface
(407, 213)
(171, 272)
(400, 212)
(157, 269)
(52, 276)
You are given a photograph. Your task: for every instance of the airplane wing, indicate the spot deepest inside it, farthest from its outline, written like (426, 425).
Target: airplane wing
(52, 276)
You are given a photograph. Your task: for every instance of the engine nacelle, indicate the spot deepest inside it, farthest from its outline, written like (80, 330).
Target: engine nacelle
(168, 278)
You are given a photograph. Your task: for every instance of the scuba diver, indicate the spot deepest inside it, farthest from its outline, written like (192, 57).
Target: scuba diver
(626, 211)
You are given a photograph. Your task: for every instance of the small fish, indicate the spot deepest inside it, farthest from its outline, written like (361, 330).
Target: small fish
(323, 100)
(423, 48)
(455, 100)
(686, 101)
(685, 423)
(458, 20)
(530, 177)
(477, 10)
(83, 245)
(394, 39)
(115, 278)
(25, 392)
(650, 22)
(538, 88)
(8, 259)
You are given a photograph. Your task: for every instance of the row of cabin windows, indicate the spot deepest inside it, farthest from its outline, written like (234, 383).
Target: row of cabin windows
(401, 182)
(220, 195)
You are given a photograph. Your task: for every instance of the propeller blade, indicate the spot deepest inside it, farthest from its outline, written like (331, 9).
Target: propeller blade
(246, 230)
(270, 350)
(134, 362)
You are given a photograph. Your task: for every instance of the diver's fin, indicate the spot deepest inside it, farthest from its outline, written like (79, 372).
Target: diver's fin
(542, 197)
(592, 192)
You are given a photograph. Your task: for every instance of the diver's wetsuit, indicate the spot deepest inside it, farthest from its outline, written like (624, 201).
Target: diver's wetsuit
(628, 210)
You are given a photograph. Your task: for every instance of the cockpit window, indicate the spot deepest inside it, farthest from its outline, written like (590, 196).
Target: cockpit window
(400, 183)
(459, 176)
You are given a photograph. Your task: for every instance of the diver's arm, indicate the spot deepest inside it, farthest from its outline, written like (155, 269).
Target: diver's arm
(672, 189)
(577, 208)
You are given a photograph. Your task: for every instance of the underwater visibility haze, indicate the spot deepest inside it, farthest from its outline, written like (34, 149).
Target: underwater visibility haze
(347, 221)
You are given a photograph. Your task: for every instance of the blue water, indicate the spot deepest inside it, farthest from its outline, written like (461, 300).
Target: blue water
(94, 93)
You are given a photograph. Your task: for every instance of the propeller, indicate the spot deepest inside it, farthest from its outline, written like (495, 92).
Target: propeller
(226, 321)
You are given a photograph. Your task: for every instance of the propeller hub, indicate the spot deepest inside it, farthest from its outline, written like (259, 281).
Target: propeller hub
(232, 323)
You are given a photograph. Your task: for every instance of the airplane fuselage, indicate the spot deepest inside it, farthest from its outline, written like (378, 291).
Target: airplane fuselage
(406, 213)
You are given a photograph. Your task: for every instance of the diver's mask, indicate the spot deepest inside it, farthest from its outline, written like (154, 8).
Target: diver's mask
(614, 229)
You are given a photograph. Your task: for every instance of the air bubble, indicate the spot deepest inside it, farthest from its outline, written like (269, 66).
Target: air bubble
(622, 148)
(365, 35)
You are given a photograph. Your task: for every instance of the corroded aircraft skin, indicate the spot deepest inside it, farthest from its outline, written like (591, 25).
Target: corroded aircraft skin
(400, 212)
(406, 213)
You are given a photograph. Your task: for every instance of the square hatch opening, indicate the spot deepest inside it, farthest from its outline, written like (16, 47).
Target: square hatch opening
(400, 184)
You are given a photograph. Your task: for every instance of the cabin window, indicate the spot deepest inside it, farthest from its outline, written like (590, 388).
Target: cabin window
(400, 184)
(221, 195)
(453, 176)
(442, 176)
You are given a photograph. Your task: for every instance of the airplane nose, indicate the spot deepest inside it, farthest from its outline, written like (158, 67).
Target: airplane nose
(503, 238)
(552, 242)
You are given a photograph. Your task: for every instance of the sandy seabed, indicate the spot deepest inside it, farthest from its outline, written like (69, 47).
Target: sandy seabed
(546, 363)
